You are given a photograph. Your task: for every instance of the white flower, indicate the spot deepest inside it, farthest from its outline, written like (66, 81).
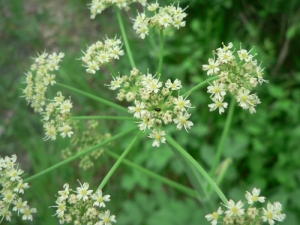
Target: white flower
(14, 174)
(61, 208)
(243, 98)
(181, 103)
(83, 192)
(244, 55)
(20, 187)
(158, 136)
(92, 66)
(66, 106)
(19, 205)
(154, 86)
(218, 103)
(99, 199)
(103, 57)
(176, 85)
(165, 20)
(115, 83)
(27, 211)
(65, 193)
(182, 121)
(147, 122)
(277, 209)
(153, 6)
(254, 196)
(137, 109)
(234, 209)
(269, 214)
(147, 79)
(50, 131)
(66, 130)
(213, 218)
(116, 52)
(225, 56)
(212, 68)
(106, 218)
(5, 213)
(217, 90)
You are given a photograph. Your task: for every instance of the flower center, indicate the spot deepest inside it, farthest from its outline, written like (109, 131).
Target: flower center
(106, 220)
(270, 215)
(215, 215)
(157, 137)
(235, 210)
(217, 90)
(255, 198)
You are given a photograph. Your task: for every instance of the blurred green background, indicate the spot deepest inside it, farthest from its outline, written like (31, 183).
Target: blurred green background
(264, 146)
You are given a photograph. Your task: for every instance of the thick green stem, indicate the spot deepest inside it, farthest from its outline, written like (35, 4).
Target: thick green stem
(76, 156)
(116, 165)
(161, 51)
(103, 118)
(128, 51)
(223, 137)
(162, 179)
(198, 86)
(109, 103)
(198, 167)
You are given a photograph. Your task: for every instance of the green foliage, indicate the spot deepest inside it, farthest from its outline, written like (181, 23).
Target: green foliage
(264, 146)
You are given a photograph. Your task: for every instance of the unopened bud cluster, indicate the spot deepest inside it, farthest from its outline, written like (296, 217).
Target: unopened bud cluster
(82, 206)
(238, 214)
(163, 17)
(83, 140)
(154, 103)
(98, 6)
(236, 74)
(55, 112)
(101, 53)
(12, 186)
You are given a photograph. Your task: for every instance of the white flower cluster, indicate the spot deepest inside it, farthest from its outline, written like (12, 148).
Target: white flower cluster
(55, 112)
(98, 6)
(235, 213)
(163, 17)
(238, 75)
(154, 104)
(12, 187)
(98, 54)
(83, 206)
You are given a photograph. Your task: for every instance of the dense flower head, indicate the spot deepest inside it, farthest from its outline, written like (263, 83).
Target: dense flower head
(238, 213)
(238, 73)
(163, 17)
(12, 186)
(100, 53)
(98, 6)
(155, 104)
(82, 206)
(55, 112)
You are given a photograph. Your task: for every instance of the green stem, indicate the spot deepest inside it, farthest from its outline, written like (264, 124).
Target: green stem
(111, 70)
(131, 60)
(198, 86)
(79, 155)
(103, 118)
(161, 49)
(223, 137)
(198, 167)
(224, 167)
(116, 165)
(109, 103)
(162, 179)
